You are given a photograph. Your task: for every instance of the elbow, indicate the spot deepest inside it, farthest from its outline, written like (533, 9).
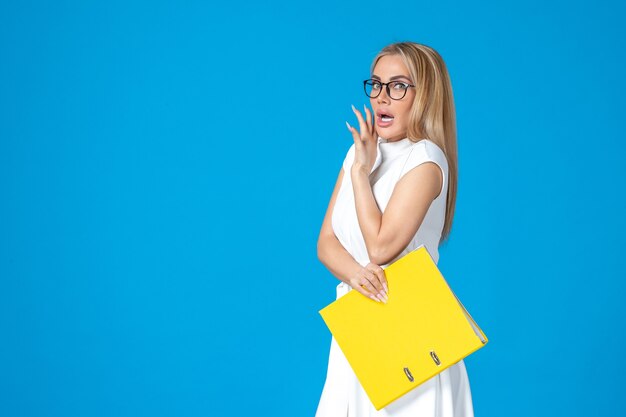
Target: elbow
(378, 255)
(321, 249)
(319, 253)
(382, 253)
(377, 260)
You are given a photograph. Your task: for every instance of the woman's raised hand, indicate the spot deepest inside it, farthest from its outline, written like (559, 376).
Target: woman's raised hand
(371, 282)
(365, 141)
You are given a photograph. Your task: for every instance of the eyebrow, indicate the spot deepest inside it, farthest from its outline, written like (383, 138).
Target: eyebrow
(395, 77)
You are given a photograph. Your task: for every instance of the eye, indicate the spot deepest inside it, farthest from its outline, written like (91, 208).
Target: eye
(400, 86)
(375, 85)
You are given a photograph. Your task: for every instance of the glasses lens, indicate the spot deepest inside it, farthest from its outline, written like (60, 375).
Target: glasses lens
(372, 88)
(397, 90)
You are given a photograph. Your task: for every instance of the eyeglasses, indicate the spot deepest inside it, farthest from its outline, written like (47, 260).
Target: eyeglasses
(395, 89)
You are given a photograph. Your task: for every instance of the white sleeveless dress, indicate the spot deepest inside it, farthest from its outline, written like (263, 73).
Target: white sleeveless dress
(447, 394)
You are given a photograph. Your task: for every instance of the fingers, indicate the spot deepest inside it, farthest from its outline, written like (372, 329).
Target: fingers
(376, 282)
(370, 120)
(363, 126)
(367, 289)
(381, 281)
(368, 283)
(362, 282)
(355, 136)
(381, 275)
(367, 126)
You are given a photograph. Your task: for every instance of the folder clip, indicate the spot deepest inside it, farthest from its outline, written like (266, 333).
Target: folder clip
(408, 374)
(435, 357)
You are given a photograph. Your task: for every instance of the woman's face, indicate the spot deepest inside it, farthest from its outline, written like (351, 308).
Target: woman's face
(392, 68)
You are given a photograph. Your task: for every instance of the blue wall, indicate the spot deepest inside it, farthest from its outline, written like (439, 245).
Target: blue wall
(165, 168)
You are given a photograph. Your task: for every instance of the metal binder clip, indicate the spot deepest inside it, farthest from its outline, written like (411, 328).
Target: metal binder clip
(435, 357)
(408, 374)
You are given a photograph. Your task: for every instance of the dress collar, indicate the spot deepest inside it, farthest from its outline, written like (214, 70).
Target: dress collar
(392, 148)
(386, 149)
(404, 142)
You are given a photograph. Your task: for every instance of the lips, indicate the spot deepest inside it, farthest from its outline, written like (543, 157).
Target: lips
(386, 113)
(384, 118)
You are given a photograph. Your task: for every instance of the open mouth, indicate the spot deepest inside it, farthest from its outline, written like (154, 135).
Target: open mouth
(384, 118)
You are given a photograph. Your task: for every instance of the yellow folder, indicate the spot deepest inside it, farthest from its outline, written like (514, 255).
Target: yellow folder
(422, 329)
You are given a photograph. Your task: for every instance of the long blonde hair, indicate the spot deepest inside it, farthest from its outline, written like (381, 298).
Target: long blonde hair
(432, 113)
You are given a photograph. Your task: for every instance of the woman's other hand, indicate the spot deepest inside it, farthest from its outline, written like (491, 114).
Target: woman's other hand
(371, 282)
(364, 142)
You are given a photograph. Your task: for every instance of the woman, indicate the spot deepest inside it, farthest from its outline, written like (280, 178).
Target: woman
(396, 191)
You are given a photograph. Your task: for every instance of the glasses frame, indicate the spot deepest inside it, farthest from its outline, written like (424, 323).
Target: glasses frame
(386, 85)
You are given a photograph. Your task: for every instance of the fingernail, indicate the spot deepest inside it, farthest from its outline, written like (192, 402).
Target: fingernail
(385, 286)
(374, 298)
(353, 108)
(348, 124)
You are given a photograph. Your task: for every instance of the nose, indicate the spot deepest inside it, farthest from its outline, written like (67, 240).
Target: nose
(383, 97)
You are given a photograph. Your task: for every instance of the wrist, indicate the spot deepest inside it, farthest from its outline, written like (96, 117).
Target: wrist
(358, 169)
(356, 269)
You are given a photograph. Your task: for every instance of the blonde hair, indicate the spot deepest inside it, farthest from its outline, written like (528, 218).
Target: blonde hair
(432, 113)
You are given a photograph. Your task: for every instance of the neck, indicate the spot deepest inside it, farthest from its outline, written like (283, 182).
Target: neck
(392, 139)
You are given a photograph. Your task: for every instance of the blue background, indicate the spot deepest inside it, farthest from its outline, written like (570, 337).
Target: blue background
(165, 169)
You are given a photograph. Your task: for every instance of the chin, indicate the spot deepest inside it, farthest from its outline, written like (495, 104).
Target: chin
(387, 133)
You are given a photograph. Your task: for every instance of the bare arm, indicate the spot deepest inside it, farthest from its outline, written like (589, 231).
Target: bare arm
(369, 280)
(387, 234)
(329, 250)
